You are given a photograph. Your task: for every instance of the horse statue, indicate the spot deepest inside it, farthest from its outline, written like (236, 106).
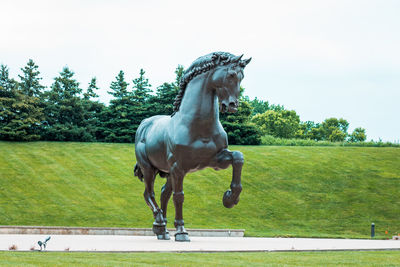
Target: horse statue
(192, 138)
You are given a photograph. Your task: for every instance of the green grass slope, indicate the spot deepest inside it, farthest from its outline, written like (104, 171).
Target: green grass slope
(287, 191)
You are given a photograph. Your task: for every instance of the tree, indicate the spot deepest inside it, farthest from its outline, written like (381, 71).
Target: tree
(30, 81)
(119, 86)
(358, 135)
(91, 90)
(283, 124)
(179, 72)
(141, 88)
(259, 106)
(141, 107)
(65, 111)
(162, 102)
(93, 110)
(5, 81)
(316, 133)
(238, 126)
(117, 122)
(334, 130)
(20, 114)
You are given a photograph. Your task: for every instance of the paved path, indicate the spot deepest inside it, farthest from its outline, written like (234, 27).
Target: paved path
(198, 244)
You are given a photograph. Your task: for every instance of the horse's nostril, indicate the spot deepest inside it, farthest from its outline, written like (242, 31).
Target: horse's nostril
(232, 105)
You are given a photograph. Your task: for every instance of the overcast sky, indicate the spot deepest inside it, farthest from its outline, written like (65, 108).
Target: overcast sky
(321, 58)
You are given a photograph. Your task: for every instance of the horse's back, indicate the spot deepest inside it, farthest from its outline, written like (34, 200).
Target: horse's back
(150, 141)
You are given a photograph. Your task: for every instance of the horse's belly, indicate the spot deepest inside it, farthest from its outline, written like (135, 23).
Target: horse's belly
(198, 155)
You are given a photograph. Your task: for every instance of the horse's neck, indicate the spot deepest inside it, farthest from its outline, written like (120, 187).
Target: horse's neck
(199, 107)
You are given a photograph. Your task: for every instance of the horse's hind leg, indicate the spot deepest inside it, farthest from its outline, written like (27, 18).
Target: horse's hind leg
(166, 192)
(149, 175)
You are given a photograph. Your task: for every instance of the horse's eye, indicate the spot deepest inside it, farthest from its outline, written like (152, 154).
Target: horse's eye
(232, 74)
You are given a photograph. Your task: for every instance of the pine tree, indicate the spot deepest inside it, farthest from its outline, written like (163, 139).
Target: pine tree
(164, 99)
(30, 80)
(91, 90)
(118, 126)
(179, 72)
(162, 102)
(93, 110)
(5, 82)
(141, 88)
(119, 86)
(20, 113)
(7, 101)
(65, 111)
(141, 107)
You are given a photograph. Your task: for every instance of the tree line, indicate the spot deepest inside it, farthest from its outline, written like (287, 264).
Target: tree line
(65, 112)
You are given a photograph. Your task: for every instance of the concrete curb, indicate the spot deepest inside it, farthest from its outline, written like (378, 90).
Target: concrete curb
(61, 230)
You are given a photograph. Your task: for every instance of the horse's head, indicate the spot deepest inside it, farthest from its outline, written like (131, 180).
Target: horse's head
(224, 72)
(226, 80)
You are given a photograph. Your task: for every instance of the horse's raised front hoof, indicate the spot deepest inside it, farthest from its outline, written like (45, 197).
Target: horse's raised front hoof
(164, 236)
(159, 228)
(228, 200)
(182, 237)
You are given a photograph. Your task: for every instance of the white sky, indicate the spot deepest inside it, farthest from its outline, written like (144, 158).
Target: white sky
(320, 58)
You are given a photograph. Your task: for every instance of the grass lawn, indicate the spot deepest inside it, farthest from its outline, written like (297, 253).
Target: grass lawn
(287, 191)
(348, 258)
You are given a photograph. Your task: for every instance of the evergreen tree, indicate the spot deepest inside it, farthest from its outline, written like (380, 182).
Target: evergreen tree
(65, 111)
(179, 72)
(162, 102)
(141, 107)
(20, 113)
(119, 86)
(30, 80)
(92, 88)
(164, 99)
(7, 101)
(5, 82)
(93, 110)
(141, 88)
(118, 126)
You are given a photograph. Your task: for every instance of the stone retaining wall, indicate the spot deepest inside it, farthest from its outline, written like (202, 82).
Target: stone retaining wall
(60, 230)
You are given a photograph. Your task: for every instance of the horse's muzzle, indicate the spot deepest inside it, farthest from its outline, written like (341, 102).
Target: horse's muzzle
(232, 108)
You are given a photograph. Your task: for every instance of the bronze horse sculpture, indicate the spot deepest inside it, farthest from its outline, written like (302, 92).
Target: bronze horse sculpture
(192, 138)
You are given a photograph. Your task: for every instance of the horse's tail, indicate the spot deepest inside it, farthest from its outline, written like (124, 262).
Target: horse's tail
(138, 172)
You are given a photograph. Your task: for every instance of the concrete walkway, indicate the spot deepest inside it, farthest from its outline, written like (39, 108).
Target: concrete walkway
(115, 243)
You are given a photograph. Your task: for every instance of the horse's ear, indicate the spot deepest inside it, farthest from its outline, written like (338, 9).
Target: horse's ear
(245, 62)
(237, 59)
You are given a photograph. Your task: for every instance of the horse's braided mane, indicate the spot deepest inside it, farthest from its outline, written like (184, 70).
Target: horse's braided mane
(200, 65)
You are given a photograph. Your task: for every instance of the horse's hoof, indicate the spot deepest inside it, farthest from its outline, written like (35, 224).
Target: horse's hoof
(182, 237)
(164, 236)
(228, 201)
(159, 229)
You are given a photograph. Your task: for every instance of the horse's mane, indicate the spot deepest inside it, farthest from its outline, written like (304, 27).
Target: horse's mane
(200, 65)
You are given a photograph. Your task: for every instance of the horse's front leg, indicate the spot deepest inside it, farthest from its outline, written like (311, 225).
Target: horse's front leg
(222, 161)
(176, 176)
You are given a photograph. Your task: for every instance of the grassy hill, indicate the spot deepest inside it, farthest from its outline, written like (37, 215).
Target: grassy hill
(287, 191)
